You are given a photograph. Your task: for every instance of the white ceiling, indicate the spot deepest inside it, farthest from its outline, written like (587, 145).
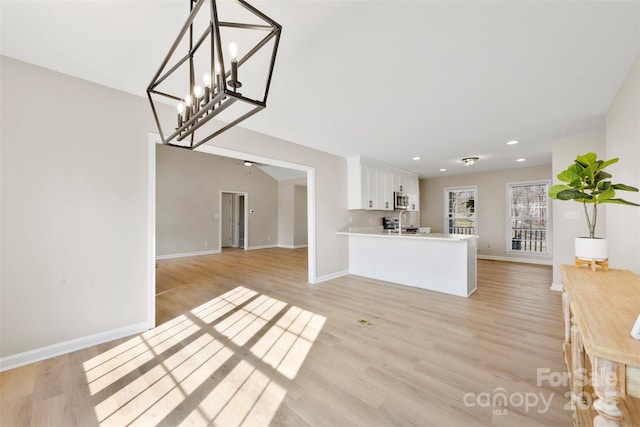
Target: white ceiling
(386, 79)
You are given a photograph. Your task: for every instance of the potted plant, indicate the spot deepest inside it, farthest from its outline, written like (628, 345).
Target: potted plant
(586, 182)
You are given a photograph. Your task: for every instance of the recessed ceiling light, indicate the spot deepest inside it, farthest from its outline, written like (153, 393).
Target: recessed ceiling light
(512, 142)
(443, 170)
(416, 158)
(521, 160)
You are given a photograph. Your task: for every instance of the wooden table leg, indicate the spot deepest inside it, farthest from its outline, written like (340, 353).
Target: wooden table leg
(576, 371)
(609, 386)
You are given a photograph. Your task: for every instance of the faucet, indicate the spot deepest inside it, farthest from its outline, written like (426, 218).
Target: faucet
(400, 221)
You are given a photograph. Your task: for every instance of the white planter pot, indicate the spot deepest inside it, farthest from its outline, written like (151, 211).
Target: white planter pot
(591, 249)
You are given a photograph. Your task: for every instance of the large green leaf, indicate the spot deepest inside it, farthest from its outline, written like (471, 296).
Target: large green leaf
(625, 187)
(604, 185)
(620, 202)
(608, 163)
(571, 194)
(609, 193)
(602, 175)
(555, 189)
(587, 159)
(575, 167)
(568, 175)
(577, 184)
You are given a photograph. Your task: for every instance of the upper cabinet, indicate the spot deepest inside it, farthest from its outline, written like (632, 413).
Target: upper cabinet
(372, 184)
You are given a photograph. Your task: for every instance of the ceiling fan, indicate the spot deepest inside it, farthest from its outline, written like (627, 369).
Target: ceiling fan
(249, 163)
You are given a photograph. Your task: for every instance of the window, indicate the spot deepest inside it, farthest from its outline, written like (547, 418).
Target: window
(528, 217)
(460, 210)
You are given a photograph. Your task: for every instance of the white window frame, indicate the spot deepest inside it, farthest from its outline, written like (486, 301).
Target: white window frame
(549, 230)
(448, 190)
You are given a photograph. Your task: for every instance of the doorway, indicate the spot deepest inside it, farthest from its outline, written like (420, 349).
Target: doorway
(233, 220)
(154, 140)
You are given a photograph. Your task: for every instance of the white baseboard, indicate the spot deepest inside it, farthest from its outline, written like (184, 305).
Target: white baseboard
(557, 287)
(523, 260)
(186, 254)
(251, 248)
(326, 277)
(42, 353)
(292, 246)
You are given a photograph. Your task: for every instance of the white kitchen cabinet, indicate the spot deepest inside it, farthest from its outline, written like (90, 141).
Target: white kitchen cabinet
(413, 191)
(385, 189)
(408, 184)
(371, 184)
(368, 185)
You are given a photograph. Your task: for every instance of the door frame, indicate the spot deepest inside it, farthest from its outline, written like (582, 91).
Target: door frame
(235, 229)
(154, 139)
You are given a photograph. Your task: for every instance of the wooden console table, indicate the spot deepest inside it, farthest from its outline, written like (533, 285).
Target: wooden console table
(603, 359)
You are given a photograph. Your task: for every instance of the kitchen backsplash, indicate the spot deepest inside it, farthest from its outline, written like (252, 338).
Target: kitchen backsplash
(363, 218)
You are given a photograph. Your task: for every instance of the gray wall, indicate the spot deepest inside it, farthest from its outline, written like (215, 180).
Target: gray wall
(292, 213)
(491, 206)
(300, 222)
(566, 230)
(74, 212)
(330, 177)
(188, 186)
(623, 141)
(74, 208)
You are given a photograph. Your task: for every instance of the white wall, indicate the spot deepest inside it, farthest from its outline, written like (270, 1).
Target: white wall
(74, 212)
(491, 207)
(564, 153)
(623, 141)
(616, 222)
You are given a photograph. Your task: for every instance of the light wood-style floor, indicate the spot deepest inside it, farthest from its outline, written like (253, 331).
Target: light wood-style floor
(243, 339)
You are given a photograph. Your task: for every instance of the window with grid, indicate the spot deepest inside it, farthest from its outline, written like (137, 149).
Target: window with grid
(460, 206)
(528, 217)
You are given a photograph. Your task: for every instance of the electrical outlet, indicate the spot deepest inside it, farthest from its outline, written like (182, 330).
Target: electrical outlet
(572, 215)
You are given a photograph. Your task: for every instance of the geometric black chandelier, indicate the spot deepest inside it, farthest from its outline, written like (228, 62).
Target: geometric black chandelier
(217, 72)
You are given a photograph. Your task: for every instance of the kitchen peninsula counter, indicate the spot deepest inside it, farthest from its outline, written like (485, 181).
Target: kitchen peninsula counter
(439, 262)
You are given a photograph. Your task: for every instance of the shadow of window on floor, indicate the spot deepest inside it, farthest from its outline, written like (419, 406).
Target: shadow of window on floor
(227, 362)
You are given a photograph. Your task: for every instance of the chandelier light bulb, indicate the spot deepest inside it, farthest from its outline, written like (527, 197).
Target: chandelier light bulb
(233, 51)
(180, 107)
(197, 91)
(187, 100)
(206, 79)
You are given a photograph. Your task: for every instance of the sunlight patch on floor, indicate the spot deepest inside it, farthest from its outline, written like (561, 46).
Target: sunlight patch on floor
(195, 369)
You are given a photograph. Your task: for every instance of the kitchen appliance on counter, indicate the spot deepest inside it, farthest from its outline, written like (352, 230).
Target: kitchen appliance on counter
(390, 222)
(400, 200)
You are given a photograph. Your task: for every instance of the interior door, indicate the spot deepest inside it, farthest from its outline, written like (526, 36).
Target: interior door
(226, 239)
(241, 221)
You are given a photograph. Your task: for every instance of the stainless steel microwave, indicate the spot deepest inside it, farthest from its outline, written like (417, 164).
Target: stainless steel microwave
(400, 200)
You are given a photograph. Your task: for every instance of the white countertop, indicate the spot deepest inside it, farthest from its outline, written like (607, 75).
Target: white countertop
(390, 234)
